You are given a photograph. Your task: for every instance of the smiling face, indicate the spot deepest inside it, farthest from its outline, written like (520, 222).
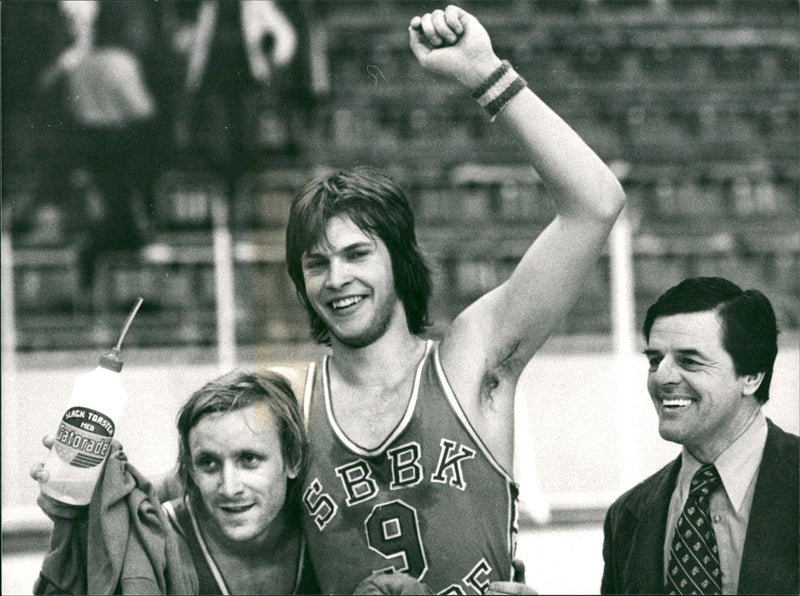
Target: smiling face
(238, 467)
(350, 284)
(700, 400)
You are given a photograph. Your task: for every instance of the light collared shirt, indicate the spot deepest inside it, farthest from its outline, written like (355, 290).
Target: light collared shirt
(107, 89)
(729, 506)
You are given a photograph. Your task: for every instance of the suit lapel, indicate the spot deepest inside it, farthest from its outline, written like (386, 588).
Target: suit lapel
(767, 553)
(646, 566)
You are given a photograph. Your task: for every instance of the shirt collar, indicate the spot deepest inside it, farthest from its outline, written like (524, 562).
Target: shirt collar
(737, 465)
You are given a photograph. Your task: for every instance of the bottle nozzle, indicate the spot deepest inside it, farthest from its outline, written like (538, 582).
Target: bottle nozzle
(127, 324)
(111, 360)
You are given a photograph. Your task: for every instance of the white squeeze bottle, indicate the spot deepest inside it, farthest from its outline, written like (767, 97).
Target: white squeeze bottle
(84, 436)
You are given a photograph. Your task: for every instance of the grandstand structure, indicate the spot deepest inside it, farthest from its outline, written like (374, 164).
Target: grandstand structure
(695, 103)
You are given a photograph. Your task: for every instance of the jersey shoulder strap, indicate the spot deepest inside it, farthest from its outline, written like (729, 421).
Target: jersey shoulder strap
(182, 518)
(301, 376)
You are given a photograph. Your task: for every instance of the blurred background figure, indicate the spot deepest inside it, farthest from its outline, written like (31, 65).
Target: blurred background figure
(111, 110)
(232, 49)
(33, 38)
(79, 20)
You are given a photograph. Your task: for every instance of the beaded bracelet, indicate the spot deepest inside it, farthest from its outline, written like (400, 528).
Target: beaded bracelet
(498, 89)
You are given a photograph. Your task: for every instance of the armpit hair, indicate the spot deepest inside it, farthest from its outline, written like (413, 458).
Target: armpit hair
(507, 364)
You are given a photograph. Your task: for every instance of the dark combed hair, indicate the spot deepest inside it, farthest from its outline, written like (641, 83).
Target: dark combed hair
(237, 390)
(749, 327)
(379, 207)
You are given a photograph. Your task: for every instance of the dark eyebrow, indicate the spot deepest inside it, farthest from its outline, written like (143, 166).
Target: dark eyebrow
(358, 245)
(238, 453)
(248, 452)
(350, 247)
(203, 453)
(691, 352)
(681, 351)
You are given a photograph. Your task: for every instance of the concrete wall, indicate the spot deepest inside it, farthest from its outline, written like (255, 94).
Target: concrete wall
(591, 430)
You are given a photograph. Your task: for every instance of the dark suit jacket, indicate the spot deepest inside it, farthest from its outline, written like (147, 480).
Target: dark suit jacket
(635, 528)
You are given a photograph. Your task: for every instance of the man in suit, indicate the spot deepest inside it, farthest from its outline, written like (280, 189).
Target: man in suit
(732, 494)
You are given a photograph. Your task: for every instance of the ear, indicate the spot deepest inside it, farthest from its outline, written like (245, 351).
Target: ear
(291, 471)
(751, 383)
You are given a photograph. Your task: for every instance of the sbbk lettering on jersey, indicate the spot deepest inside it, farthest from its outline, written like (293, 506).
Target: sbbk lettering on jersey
(359, 486)
(321, 507)
(449, 469)
(429, 501)
(406, 467)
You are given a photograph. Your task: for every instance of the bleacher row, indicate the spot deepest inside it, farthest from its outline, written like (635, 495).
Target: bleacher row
(694, 102)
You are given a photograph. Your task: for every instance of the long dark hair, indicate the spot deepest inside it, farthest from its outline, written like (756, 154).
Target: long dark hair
(379, 207)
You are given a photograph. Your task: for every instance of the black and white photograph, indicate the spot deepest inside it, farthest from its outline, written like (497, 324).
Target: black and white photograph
(400, 296)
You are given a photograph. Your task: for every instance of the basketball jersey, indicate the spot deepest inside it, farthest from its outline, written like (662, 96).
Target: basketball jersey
(430, 500)
(184, 522)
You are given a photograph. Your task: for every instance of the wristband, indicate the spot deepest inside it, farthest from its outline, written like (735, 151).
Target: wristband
(498, 89)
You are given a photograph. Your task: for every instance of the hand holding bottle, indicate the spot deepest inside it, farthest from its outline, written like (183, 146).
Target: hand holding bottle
(38, 471)
(84, 436)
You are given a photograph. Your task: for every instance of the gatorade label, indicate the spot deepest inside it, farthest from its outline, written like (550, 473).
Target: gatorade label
(84, 437)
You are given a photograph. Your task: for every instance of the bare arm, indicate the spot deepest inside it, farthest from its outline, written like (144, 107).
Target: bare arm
(490, 342)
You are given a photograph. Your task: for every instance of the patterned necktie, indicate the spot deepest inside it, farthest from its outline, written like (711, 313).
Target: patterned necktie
(693, 559)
